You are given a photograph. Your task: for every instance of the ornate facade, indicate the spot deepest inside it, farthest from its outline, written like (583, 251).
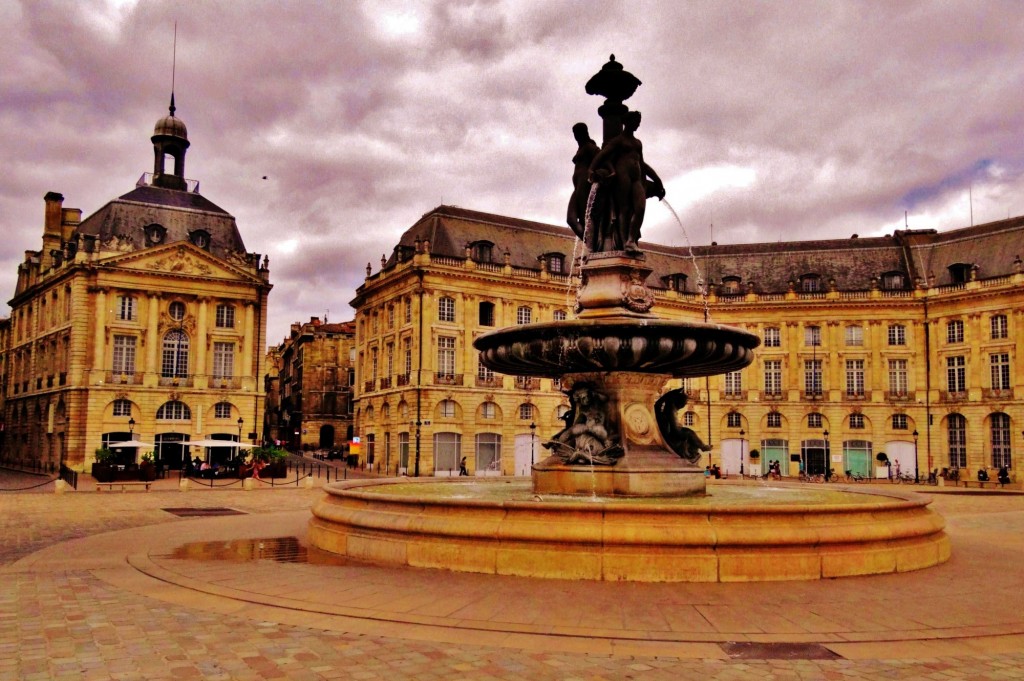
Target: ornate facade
(145, 320)
(309, 386)
(908, 345)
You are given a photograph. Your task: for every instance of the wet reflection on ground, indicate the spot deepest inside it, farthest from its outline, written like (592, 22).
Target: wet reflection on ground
(278, 549)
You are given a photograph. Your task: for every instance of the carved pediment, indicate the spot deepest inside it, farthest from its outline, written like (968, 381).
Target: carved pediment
(184, 260)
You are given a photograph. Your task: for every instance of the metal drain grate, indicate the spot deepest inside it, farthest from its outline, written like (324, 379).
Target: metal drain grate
(202, 512)
(777, 651)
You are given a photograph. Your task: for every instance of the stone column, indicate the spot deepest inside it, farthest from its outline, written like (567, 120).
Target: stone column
(249, 342)
(201, 373)
(99, 347)
(152, 377)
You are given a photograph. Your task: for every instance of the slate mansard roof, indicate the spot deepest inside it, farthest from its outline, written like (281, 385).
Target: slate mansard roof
(854, 264)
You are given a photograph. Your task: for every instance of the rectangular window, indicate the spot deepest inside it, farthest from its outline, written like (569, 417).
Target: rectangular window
(222, 410)
(898, 377)
(773, 376)
(812, 376)
(734, 383)
(772, 337)
(391, 316)
(447, 452)
(374, 364)
(856, 421)
(774, 419)
(122, 408)
(403, 450)
(854, 378)
(446, 356)
(957, 437)
(1000, 440)
(899, 421)
(483, 373)
(733, 420)
(446, 309)
(408, 310)
(855, 335)
(956, 374)
(999, 326)
(126, 308)
(524, 315)
(124, 355)
(225, 316)
(812, 336)
(1000, 366)
(223, 360)
(390, 361)
(897, 334)
(488, 452)
(955, 331)
(487, 410)
(408, 356)
(814, 420)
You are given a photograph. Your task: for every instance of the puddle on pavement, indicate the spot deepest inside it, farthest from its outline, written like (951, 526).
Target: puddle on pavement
(278, 549)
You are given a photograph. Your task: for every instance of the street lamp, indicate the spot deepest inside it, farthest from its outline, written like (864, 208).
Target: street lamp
(916, 477)
(131, 428)
(742, 453)
(533, 429)
(828, 457)
(240, 422)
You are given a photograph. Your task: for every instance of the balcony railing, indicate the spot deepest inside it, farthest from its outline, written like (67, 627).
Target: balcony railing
(402, 379)
(385, 382)
(899, 396)
(735, 395)
(858, 396)
(999, 393)
(488, 381)
(226, 382)
(773, 396)
(125, 378)
(953, 395)
(369, 386)
(183, 381)
(811, 395)
(527, 383)
(444, 378)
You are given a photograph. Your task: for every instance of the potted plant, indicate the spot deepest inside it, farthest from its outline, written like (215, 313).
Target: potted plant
(147, 467)
(103, 468)
(754, 454)
(273, 459)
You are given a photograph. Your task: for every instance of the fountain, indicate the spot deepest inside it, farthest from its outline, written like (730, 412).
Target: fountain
(622, 495)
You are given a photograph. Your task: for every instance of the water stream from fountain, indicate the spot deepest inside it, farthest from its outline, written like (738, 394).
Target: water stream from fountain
(573, 286)
(693, 258)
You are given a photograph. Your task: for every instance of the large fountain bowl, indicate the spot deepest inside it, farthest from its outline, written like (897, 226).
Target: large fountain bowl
(655, 346)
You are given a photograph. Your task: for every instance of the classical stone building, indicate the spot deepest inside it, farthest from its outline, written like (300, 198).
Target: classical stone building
(908, 345)
(309, 386)
(143, 320)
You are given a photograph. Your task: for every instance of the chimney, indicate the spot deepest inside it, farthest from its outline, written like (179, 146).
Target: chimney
(53, 219)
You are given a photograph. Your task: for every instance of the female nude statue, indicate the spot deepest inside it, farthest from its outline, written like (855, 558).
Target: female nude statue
(622, 172)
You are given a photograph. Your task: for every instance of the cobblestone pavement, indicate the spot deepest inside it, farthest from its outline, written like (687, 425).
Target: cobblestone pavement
(75, 622)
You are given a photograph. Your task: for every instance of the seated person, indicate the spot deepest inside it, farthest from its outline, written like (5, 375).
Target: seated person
(982, 475)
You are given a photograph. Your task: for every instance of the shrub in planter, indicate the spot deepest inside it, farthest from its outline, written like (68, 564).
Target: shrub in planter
(274, 461)
(754, 454)
(147, 468)
(103, 469)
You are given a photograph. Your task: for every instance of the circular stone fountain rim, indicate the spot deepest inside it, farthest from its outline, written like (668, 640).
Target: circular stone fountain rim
(350, 488)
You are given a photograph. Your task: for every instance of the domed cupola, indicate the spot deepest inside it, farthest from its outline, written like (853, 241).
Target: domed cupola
(170, 139)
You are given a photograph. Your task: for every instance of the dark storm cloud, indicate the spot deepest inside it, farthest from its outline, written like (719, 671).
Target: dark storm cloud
(783, 120)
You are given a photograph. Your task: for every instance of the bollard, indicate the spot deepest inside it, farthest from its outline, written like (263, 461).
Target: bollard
(248, 484)
(309, 482)
(59, 487)
(183, 485)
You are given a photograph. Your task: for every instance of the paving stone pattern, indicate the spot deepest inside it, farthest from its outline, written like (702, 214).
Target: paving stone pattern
(75, 625)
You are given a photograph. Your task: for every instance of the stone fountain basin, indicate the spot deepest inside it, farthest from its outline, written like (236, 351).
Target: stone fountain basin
(681, 349)
(779, 532)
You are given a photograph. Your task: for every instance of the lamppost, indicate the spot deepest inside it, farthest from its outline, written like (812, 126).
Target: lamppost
(240, 422)
(828, 457)
(131, 428)
(916, 477)
(533, 428)
(742, 453)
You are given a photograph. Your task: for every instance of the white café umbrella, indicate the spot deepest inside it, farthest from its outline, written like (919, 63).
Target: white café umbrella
(219, 443)
(130, 443)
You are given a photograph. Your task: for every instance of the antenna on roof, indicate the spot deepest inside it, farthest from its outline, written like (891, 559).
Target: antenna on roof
(905, 225)
(174, 64)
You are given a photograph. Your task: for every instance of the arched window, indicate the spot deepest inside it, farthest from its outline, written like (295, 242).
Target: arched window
(525, 411)
(956, 433)
(559, 315)
(893, 281)
(810, 283)
(222, 410)
(446, 409)
(1000, 440)
(481, 251)
(174, 411)
(730, 286)
(122, 407)
(175, 356)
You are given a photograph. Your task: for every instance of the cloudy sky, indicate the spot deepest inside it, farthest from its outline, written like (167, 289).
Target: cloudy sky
(773, 120)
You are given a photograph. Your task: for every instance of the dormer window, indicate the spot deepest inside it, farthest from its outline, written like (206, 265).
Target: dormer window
(810, 283)
(556, 263)
(155, 234)
(960, 272)
(200, 238)
(730, 286)
(893, 281)
(676, 282)
(481, 251)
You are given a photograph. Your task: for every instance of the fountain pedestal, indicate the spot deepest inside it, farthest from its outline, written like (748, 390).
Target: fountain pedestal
(646, 467)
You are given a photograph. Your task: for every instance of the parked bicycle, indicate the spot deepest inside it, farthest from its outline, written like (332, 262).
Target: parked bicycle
(855, 477)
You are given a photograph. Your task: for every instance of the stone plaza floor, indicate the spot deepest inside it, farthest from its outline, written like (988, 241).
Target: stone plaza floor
(165, 584)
